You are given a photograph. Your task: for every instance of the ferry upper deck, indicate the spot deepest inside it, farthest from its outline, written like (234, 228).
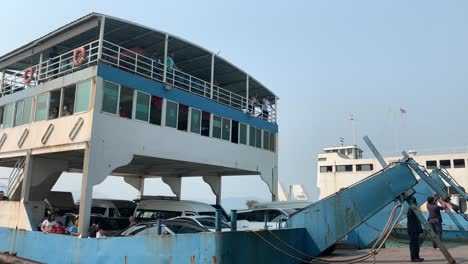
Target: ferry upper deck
(104, 96)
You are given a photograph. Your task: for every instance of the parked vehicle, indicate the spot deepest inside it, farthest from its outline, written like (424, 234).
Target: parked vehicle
(208, 222)
(153, 209)
(254, 219)
(169, 227)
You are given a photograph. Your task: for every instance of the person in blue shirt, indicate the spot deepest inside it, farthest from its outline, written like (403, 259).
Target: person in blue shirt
(73, 230)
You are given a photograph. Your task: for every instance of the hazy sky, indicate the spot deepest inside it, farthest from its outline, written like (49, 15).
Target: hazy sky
(324, 59)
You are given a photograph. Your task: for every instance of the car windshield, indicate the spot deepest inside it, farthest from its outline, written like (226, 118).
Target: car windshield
(290, 211)
(98, 210)
(210, 223)
(143, 214)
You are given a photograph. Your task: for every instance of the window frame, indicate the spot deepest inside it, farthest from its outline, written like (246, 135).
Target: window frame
(118, 98)
(89, 97)
(191, 109)
(134, 106)
(177, 114)
(46, 107)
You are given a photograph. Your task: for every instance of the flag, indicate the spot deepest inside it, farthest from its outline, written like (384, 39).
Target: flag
(402, 111)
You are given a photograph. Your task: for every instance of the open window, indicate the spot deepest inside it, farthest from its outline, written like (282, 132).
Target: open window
(156, 110)
(205, 124)
(126, 102)
(234, 131)
(242, 133)
(182, 121)
(68, 101)
(54, 104)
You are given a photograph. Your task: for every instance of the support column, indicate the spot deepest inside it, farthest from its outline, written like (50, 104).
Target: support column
(27, 178)
(86, 196)
(212, 75)
(137, 183)
(166, 47)
(101, 37)
(175, 182)
(215, 185)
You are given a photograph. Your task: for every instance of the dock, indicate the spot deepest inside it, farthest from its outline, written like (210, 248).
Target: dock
(401, 255)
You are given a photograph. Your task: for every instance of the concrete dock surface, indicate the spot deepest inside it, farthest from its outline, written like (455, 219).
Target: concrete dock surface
(401, 255)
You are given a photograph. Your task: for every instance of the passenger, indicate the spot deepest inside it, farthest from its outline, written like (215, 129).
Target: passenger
(53, 63)
(131, 220)
(92, 231)
(73, 230)
(58, 228)
(66, 111)
(265, 108)
(252, 104)
(100, 232)
(54, 113)
(122, 113)
(48, 223)
(435, 219)
(413, 227)
(3, 197)
(155, 63)
(170, 66)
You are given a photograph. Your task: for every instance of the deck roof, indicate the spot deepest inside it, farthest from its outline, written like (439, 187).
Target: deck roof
(189, 57)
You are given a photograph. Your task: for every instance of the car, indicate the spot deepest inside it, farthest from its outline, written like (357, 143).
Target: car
(208, 222)
(150, 208)
(169, 227)
(254, 219)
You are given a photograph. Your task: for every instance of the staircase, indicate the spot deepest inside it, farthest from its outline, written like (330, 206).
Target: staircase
(15, 180)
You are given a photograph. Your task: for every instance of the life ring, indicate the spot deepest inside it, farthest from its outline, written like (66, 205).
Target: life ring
(79, 56)
(28, 75)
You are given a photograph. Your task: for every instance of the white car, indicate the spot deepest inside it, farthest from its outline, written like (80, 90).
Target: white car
(254, 219)
(205, 221)
(153, 209)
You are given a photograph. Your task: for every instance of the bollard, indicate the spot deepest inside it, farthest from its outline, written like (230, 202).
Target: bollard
(219, 215)
(234, 220)
(159, 226)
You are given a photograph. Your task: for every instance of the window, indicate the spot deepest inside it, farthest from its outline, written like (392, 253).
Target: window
(110, 98)
(54, 104)
(8, 116)
(19, 113)
(171, 114)
(326, 168)
(252, 137)
(156, 110)
(266, 140)
(126, 102)
(258, 138)
(234, 131)
(242, 133)
(272, 142)
(142, 106)
(216, 126)
(41, 107)
(68, 101)
(431, 164)
(445, 164)
(459, 163)
(341, 168)
(182, 121)
(195, 121)
(226, 129)
(364, 167)
(83, 93)
(205, 124)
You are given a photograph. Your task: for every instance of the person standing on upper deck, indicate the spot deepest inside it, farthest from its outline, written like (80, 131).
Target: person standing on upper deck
(53, 64)
(252, 103)
(435, 218)
(265, 108)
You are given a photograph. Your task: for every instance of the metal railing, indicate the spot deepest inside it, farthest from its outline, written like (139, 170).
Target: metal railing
(132, 60)
(49, 69)
(15, 176)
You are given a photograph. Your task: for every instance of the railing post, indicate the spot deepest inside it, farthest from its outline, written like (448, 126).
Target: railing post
(234, 220)
(2, 82)
(118, 55)
(136, 63)
(39, 68)
(166, 44)
(218, 220)
(101, 37)
(212, 74)
(247, 93)
(159, 227)
(275, 110)
(265, 218)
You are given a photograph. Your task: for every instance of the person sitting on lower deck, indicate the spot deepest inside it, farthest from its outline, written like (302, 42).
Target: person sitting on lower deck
(73, 230)
(3, 197)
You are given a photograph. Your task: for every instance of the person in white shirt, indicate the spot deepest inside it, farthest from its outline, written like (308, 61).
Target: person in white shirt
(47, 223)
(265, 108)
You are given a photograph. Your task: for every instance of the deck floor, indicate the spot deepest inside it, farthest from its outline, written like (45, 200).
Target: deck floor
(401, 255)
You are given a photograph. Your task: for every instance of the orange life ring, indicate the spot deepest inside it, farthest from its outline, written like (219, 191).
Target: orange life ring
(79, 56)
(28, 75)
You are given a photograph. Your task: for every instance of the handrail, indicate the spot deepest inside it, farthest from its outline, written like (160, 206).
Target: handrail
(135, 62)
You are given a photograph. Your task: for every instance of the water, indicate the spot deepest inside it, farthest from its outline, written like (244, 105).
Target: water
(402, 243)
